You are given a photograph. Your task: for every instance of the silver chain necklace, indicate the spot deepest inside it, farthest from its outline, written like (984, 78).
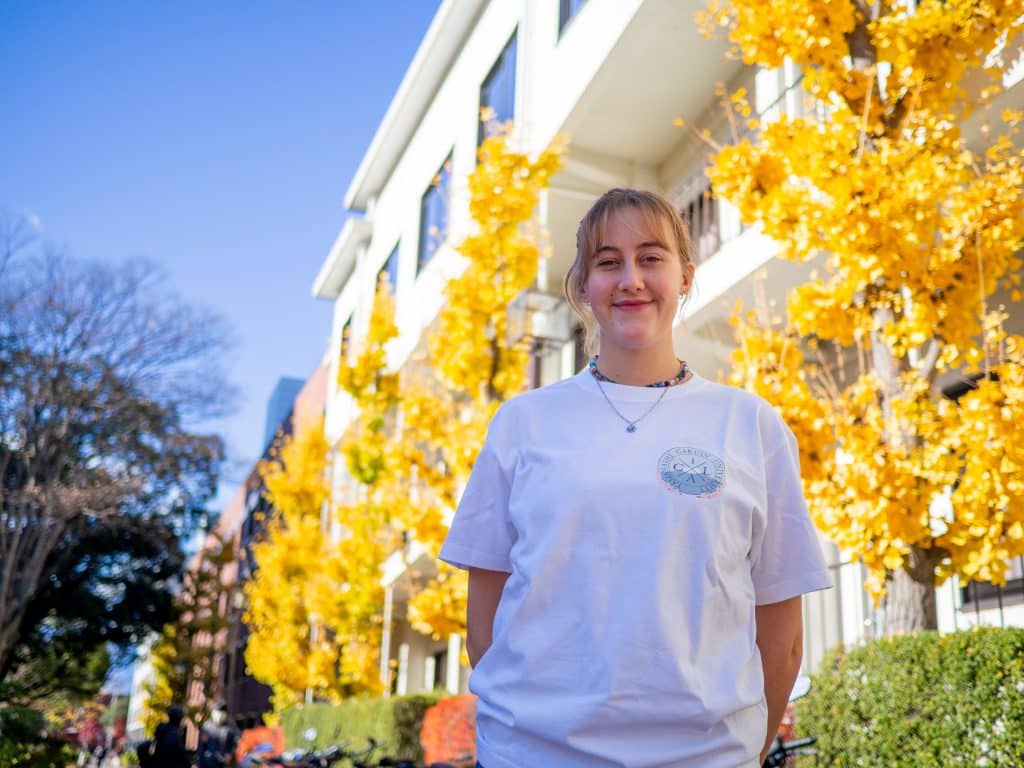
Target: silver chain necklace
(630, 425)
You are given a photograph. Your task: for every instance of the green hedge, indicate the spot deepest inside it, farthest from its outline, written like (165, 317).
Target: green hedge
(920, 700)
(22, 744)
(394, 722)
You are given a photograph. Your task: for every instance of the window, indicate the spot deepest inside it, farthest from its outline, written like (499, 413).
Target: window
(566, 10)
(346, 332)
(579, 352)
(981, 594)
(701, 216)
(390, 269)
(978, 595)
(498, 92)
(434, 214)
(437, 670)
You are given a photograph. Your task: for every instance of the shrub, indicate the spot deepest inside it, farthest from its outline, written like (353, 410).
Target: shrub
(394, 722)
(23, 743)
(920, 700)
(409, 712)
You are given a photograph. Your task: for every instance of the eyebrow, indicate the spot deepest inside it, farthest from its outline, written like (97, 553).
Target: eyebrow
(645, 244)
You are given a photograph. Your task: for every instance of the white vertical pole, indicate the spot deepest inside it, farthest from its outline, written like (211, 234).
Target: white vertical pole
(454, 663)
(385, 640)
(403, 669)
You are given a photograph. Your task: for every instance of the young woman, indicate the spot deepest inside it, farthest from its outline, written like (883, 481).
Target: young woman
(636, 537)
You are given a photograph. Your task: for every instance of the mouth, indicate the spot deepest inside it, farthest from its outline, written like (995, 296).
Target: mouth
(631, 306)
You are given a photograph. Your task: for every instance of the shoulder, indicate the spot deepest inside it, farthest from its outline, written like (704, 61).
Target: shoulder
(729, 395)
(546, 396)
(536, 402)
(759, 414)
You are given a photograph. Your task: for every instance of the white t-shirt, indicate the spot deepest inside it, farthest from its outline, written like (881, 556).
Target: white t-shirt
(625, 634)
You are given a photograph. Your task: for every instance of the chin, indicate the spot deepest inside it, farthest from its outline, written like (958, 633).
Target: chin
(634, 343)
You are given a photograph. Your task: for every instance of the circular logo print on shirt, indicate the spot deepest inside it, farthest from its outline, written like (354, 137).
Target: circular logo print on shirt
(692, 471)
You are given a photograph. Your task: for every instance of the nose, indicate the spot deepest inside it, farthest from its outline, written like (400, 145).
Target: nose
(630, 278)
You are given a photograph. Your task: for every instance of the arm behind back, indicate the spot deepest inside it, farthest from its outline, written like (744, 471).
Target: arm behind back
(485, 588)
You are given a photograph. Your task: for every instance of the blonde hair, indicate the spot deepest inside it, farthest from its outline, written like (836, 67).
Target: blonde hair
(660, 216)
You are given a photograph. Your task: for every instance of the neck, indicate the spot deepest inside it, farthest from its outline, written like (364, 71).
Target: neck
(638, 369)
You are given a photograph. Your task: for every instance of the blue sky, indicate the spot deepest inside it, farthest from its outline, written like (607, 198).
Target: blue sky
(214, 139)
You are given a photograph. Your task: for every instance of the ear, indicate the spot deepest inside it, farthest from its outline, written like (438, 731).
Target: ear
(686, 282)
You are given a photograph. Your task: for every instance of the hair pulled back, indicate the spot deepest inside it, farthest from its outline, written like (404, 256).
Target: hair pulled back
(661, 218)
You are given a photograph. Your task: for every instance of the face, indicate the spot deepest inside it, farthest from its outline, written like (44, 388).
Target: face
(633, 285)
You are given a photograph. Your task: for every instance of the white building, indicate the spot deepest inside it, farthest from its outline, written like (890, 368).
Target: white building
(143, 677)
(612, 75)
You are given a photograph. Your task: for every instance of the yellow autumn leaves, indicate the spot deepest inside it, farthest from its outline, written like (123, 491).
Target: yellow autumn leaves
(316, 603)
(912, 230)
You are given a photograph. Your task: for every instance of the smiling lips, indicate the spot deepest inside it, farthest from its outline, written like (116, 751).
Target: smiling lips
(631, 306)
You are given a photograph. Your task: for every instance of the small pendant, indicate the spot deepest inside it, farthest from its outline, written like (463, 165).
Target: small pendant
(631, 428)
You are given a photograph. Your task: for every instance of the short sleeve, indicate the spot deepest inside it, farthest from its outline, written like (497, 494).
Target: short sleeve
(481, 535)
(787, 561)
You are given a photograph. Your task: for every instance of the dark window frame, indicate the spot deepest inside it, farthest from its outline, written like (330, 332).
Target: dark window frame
(978, 595)
(506, 61)
(982, 595)
(701, 215)
(439, 192)
(390, 268)
(440, 668)
(567, 10)
(346, 337)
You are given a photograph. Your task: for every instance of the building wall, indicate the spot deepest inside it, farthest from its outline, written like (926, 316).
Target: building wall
(614, 79)
(142, 678)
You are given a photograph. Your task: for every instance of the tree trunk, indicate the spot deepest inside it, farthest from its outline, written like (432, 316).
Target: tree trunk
(910, 596)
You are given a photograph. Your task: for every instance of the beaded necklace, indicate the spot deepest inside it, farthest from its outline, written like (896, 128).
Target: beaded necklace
(663, 385)
(683, 370)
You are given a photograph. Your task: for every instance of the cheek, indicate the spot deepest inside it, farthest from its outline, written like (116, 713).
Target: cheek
(596, 284)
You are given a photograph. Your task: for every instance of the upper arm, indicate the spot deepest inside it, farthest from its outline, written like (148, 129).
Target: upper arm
(781, 624)
(481, 534)
(485, 588)
(786, 558)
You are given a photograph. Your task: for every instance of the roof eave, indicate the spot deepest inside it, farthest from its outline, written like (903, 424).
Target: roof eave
(341, 259)
(440, 46)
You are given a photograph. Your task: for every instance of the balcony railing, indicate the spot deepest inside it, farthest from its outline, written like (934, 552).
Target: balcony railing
(713, 222)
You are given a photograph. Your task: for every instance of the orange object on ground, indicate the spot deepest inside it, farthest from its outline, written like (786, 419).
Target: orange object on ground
(264, 740)
(449, 729)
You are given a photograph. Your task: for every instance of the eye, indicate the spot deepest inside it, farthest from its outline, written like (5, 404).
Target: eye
(606, 262)
(651, 257)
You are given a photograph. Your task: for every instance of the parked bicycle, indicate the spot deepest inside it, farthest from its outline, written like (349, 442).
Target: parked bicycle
(784, 753)
(298, 758)
(468, 761)
(363, 760)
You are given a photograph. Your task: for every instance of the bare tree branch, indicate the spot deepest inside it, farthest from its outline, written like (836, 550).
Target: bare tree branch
(104, 376)
(16, 234)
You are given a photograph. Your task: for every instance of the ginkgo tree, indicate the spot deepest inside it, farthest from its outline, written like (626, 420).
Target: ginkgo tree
(903, 186)
(290, 647)
(316, 602)
(473, 366)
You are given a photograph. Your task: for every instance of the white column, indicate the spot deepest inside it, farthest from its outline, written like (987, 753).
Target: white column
(402, 686)
(429, 668)
(385, 640)
(454, 663)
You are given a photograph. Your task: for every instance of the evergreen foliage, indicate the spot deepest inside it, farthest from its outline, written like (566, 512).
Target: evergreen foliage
(920, 700)
(395, 722)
